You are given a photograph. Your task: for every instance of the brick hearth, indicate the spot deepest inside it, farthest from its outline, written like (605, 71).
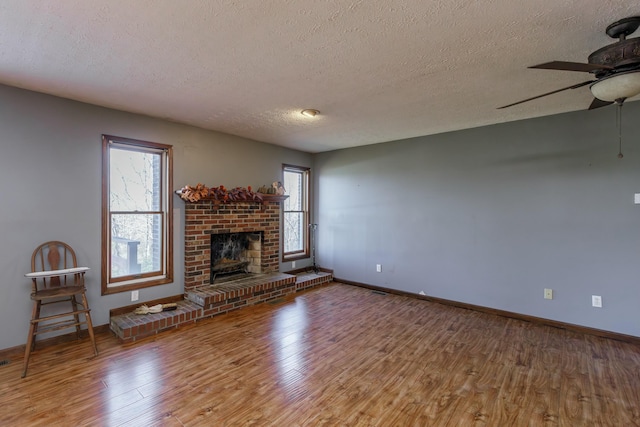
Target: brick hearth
(212, 300)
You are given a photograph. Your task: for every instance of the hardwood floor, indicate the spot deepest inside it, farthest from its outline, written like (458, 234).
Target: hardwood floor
(334, 356)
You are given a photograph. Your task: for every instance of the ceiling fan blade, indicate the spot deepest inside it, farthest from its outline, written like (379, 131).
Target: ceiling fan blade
(571, 66)
(597, 103)
(549, 93)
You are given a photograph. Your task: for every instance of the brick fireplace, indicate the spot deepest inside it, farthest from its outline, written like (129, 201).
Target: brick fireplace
(206, 217)
(257, 221)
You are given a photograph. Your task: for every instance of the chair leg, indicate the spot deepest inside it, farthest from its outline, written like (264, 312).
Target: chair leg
(74, 305)
(87, 316)
(34, 317)
(30, 339)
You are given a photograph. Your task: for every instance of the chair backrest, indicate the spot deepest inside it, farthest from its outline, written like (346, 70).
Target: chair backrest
(53, 255)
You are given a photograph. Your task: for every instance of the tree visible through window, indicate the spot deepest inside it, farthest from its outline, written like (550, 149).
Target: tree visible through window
(136, 214)
(296, 212)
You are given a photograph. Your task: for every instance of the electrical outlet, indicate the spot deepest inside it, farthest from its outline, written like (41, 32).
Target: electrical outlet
(548, 294)
(596, 300)
(379, 268)
(134, 295)
(293, 264)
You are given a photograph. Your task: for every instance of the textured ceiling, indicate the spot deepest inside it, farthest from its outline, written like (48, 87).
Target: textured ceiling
(378, 70)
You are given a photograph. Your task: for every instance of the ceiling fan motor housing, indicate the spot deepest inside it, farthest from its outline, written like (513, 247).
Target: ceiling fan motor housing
(622, 56)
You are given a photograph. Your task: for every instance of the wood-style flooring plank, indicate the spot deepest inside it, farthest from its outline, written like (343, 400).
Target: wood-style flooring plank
(336, 355)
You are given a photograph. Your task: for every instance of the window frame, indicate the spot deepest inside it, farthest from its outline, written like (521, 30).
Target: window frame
(143, 280)
(306, 209)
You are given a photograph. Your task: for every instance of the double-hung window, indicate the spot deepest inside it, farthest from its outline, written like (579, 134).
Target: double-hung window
(136, 214)
(295, 230)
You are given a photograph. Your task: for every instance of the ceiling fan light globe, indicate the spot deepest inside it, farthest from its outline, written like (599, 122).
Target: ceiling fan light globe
(617, 86)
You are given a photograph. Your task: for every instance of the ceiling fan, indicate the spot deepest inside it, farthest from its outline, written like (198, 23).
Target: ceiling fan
(616, 68)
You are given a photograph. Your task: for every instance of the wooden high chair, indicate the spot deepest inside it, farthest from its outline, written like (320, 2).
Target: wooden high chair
(56, 278)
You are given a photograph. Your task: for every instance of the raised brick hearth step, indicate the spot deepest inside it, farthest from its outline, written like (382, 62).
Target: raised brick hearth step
(210, 300)
(310, 280)
(225, 295)
(130, 327)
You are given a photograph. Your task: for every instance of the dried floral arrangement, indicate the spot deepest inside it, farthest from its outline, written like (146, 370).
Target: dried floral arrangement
(274, 189)
(222, 194)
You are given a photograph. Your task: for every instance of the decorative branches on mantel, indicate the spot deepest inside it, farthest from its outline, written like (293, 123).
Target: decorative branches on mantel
(200, 191)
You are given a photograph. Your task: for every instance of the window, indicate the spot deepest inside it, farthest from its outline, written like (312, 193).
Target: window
(295, 230)
(136, 214)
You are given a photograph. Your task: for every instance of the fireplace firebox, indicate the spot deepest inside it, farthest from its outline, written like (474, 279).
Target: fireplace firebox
(235, 252)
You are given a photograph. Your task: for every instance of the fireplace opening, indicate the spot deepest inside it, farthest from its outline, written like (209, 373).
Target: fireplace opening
(233, 253)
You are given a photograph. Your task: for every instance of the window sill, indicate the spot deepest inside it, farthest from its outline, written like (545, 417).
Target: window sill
(295, 257)
(116, 289)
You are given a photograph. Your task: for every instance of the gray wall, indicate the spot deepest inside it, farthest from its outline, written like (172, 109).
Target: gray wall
(487, 216)
(492, 216)
(50, 184)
